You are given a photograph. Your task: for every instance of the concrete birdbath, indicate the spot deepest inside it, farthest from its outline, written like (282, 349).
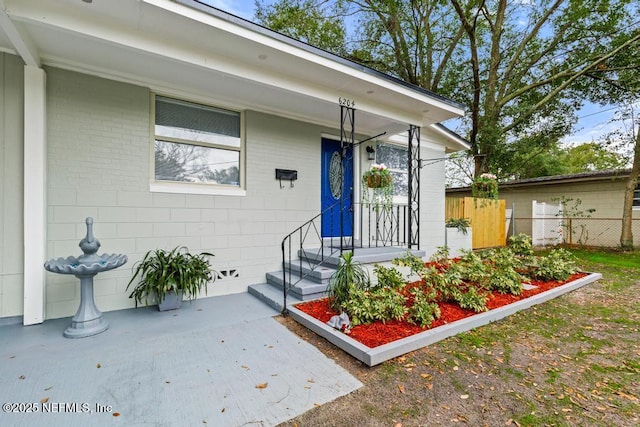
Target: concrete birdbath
(88, 319)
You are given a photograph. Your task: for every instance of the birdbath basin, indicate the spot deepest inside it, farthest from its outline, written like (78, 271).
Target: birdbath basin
(88, 320)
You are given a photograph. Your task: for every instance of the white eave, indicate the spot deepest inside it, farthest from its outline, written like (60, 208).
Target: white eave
(188, 48)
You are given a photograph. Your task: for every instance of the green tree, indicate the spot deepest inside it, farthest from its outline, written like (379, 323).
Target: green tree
(517, 65)
(316, 22)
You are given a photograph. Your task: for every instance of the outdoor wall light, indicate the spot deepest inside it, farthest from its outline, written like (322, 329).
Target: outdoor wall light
(371, 153)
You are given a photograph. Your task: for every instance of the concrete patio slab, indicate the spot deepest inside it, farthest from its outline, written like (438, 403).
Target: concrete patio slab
(377, 355)
(220, 361)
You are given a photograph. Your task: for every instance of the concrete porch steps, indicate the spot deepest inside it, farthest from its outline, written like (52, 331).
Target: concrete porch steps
(316, 275)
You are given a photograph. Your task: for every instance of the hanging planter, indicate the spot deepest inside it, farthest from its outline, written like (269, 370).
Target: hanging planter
(380, 181)
(377, 177)
(485, 187)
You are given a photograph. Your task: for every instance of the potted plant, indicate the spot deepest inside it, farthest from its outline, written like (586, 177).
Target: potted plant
(457, 236)
(169, 275)
(485, 187)
(377, 177)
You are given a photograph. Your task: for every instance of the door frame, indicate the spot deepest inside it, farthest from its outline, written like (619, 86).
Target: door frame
(357, 181)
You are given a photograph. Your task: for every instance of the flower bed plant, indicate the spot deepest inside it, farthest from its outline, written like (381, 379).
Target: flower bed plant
(447, 290)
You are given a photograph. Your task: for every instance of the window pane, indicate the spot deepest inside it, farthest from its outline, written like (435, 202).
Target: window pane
(192, 163)
(400, 183)
(393, 157)
(195, 122)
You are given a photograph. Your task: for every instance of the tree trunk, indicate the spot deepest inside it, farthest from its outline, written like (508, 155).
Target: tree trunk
(626, 237)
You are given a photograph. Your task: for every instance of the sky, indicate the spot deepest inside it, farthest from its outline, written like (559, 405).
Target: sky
(594, 120)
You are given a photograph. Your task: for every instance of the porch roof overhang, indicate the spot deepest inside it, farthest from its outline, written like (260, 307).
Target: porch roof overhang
(187, 48)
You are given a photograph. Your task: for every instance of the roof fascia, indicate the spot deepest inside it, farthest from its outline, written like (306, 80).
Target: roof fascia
(251, 30)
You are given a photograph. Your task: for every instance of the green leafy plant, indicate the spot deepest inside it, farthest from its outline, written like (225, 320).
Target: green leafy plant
(349, 274)
(162, 271)
(389, 277)
(521, 244)
(559, 264)
(504, 276)
(379, 304)
(462, 224)
(424, 309)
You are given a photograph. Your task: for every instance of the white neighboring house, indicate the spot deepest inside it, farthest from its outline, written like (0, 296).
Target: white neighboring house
(165, 121)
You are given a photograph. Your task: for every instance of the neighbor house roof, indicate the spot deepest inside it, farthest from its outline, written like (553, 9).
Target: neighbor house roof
(612, 174)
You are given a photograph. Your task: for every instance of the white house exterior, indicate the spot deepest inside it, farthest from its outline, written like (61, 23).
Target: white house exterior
(83, 88)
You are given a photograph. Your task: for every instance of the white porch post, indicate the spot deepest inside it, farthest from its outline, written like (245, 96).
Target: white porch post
(35, 203)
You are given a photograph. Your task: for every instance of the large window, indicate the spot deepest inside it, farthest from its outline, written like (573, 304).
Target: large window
(636, 198)
(395, 157)
(196, 143)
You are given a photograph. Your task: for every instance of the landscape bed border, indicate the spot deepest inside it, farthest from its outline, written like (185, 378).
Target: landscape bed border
(374, 356)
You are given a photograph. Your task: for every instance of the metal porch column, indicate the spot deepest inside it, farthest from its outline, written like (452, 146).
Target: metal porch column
(414, 187)
(347, 137)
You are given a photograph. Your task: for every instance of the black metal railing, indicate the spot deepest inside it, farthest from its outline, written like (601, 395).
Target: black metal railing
(305, 248)
(382, 225)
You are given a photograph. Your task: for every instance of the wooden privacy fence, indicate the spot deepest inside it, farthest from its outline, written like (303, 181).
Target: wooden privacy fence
(487, 219)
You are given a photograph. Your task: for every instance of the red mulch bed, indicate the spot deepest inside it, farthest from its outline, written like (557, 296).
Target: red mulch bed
(378, 333)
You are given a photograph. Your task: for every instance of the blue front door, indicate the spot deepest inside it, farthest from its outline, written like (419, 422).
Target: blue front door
(337, 180)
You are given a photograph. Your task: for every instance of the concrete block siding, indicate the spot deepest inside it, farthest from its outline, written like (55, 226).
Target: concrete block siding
(99, 147)
(99, 151)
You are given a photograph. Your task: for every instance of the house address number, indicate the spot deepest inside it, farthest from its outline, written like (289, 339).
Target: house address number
(346, 102)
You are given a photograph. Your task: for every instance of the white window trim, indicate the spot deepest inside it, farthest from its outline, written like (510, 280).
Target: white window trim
(397, 200)
(160, 186)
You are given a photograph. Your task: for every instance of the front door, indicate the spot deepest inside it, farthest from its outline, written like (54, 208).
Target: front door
(337, 180)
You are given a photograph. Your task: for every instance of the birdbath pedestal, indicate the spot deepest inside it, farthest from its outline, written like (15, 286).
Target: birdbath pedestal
(88, 320)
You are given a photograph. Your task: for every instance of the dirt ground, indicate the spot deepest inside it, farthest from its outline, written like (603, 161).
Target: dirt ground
(573, 361)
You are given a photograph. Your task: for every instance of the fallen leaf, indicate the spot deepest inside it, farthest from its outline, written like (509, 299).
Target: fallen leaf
(455, 368)
(48, 388)
(45, 400)
(410, 365)
(223, 409)
(311, 381)
(397, 425)
(22, 377)
(430, 386)
(244, 367)
(262, 385)
(427, 376)
(401, 388)
(464, 396)
(116, 414)
(98, 366)
(627, 396)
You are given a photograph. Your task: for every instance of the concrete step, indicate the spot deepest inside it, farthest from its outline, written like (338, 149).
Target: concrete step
(311, 271)
(271, 296)
(303, 289)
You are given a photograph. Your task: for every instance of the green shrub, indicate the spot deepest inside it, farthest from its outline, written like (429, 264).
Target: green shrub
(473, 268)
(521, 245)
(559, 265)
(389, 277)
(424, 309)
(504, 276)
(380, 304)
(472, 299)
(349, 274)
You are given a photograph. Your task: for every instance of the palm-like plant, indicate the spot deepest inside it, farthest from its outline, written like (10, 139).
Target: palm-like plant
(350, 273)
(162, 271)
